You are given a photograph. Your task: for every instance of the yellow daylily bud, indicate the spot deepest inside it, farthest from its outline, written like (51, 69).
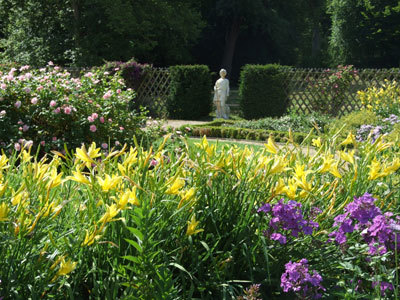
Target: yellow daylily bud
(347, 156)
(374, 170)
(110, 213)
(4, 210)
(79, 177)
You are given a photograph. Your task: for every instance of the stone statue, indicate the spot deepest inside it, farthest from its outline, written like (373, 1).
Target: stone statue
(221, 94)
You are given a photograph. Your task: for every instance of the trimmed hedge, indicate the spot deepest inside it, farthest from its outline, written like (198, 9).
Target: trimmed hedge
(262, 91)
(243, 133)
(190, 96)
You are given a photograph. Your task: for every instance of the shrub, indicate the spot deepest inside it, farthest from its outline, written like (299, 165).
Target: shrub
(383, 101)
(352, 122)
(297, 123)
(190, 96)
(262, 91)
(50, 108)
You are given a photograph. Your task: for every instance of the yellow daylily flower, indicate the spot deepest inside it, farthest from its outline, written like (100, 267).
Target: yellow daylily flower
(393, 167)
(66, 267)
(55, 179)
(350, 139)
(3, 188)
(186, 196)
(291, 188)
(279, 165)
(110, 213)
(334, 170)
(299, 171)
(374, 170)
(192, 224)
(128, 196)
(347, 156)
(175, 187)
(4, 210)
(88, 156)
(109, 182)
(90, 237)
(271, 146)
(327, 163)
(78, 177)
(3, 162)
(317, 142)
(279, 188)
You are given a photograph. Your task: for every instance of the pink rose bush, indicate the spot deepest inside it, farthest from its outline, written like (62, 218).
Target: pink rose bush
(50, 102)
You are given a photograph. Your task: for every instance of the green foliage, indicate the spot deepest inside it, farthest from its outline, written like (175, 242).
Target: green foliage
(190, 96)
(262, 91)
(294, 122)
(352, 122)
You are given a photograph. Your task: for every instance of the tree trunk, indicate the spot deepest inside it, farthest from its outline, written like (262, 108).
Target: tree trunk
(230, 44)
(316, 41)
(75, 8)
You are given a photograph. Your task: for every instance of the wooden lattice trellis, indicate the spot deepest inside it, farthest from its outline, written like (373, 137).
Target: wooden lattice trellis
(154, 90)
(303, 90)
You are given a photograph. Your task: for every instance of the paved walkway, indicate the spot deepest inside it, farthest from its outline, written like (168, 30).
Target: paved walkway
(179, 123)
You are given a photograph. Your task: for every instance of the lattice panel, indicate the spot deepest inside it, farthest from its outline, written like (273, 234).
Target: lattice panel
(154, 91)
(305, 87)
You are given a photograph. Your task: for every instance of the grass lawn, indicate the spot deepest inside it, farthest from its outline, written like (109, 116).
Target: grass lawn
(221, 144)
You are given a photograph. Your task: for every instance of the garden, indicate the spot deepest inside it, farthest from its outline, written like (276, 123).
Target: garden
(99, 201)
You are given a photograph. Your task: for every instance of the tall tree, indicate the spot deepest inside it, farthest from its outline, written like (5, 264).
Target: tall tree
(365, 33)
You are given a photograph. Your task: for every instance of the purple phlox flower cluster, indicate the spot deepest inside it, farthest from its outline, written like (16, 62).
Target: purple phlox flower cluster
(392, 119)
(377, 229)
(297, 278)
(368, 130)
(287, 218)
(384, 286)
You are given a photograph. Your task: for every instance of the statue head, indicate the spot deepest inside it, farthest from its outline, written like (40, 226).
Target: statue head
(222, 73)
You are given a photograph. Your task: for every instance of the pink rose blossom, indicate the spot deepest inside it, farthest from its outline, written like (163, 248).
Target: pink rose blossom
(20, 122)
(56, 68)
(54, 138)
(42, 70)
(90, 119)
(93, 128)
(104, 146)
(17, 147)
(42, 143)
(23, 68)
(2, 113)
(34, 100)
(25, 128)
(90, 101)
(106, 73)
(119, 91)
(18, 104)
(110, 120)
(67, 110)
(20, 128)
(50, 63)
(107, 95)
(53, 103)
(121, 128)
(3, 86)
(57, 110)
(39, 88)
(117, 143)
(95, 116)
(27, 90)
(101, 119)
(10, 77)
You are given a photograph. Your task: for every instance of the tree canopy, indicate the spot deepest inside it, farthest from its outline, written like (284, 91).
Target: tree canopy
(219, 33)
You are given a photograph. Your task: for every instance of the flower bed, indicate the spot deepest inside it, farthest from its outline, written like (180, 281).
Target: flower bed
(197, 222)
